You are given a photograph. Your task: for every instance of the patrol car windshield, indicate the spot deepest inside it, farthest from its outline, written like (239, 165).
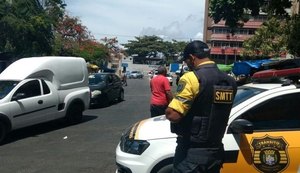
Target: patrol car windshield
(244, 93)
(6, 87)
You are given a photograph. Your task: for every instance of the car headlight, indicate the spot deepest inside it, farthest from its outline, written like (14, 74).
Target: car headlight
(95, 93)
(133, 146)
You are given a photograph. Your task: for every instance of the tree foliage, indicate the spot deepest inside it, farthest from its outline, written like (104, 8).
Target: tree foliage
(112, 45)
(270, 40)
(151, 46)
(294, 36)
(73, 39)
(114, 49)
(144, 46)
(92, 51)
(236, 12)
(172, 50)
(26, 26)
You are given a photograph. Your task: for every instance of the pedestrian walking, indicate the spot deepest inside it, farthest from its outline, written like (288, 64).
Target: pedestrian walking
(124, 78)
(199, 112)
(161, 93)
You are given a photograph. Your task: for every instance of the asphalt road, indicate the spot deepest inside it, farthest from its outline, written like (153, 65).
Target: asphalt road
(88, 147)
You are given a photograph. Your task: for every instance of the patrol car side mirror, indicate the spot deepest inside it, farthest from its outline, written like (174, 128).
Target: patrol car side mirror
(241, 126)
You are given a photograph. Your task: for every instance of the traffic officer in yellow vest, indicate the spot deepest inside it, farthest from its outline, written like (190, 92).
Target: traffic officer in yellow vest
(199, 112)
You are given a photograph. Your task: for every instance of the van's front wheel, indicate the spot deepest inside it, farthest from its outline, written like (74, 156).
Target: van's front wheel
(74, 113)
(3, 131)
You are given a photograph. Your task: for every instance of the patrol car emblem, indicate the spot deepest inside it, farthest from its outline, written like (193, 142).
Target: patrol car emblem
(269, 154)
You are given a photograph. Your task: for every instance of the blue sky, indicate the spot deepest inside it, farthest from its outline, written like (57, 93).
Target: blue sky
(170, 19)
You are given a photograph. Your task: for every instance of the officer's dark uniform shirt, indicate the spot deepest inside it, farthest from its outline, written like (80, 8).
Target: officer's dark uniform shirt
(205, 108)
(187, 90)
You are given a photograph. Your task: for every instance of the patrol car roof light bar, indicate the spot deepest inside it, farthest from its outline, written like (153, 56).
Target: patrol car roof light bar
(285, 76)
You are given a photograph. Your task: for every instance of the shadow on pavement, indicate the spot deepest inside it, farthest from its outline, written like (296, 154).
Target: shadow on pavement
(38, 129)
(99, 106)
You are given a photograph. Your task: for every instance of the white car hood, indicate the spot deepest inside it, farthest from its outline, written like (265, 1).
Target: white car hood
(151, 129)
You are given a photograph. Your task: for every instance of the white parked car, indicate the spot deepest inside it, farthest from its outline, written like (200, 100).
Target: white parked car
(168, 76)
(136, 75)
(263, 135)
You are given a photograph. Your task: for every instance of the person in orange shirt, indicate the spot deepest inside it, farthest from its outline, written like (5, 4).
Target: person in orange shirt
(161, 93)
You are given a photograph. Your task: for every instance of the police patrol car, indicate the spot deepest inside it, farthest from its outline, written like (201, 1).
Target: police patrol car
(263, 134)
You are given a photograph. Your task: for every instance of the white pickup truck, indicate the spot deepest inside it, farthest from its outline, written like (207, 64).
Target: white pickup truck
(40, 89)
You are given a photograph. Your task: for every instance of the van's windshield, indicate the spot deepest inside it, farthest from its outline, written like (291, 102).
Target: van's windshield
(6, 87)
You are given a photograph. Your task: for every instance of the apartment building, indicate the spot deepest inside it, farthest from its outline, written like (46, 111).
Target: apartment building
(226, 47)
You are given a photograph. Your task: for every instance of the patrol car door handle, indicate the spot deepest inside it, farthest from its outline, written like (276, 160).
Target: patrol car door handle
(40, 102)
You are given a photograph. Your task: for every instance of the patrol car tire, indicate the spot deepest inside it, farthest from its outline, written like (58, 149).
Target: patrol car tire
(166, 169)
(3, 132)
(164, 166)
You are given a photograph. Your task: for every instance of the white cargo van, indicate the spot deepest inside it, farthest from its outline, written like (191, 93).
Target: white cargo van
(40, 89)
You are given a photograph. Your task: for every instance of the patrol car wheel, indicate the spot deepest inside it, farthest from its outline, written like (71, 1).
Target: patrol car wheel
(3, 131)
(164, 166)
(166, 169)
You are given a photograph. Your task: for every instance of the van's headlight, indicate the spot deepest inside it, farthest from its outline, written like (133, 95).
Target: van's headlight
(133, 146)
(95, 93)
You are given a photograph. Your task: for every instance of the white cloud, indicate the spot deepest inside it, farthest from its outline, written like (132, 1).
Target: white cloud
(126, 19)
(191, 28)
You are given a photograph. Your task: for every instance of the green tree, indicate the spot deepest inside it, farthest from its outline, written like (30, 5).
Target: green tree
(150, 46)
(236, 12)
(173, 50)
(270, 40)
(92, 51)
(145, 46)
(294, 36)
(26, 26)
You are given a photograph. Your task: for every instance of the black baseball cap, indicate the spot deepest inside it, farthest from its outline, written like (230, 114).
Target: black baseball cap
(198, 48)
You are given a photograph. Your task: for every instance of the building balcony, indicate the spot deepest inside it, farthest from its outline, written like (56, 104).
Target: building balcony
(229, 37)
(225, 50)
(250, 24)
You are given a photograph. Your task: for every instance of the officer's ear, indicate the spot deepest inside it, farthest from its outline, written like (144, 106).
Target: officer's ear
(192, 57)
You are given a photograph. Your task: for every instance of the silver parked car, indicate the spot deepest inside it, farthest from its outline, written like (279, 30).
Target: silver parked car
(136, 75)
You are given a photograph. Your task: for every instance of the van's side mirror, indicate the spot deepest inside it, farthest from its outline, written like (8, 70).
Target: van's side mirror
(241, 126)
(18, 96)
